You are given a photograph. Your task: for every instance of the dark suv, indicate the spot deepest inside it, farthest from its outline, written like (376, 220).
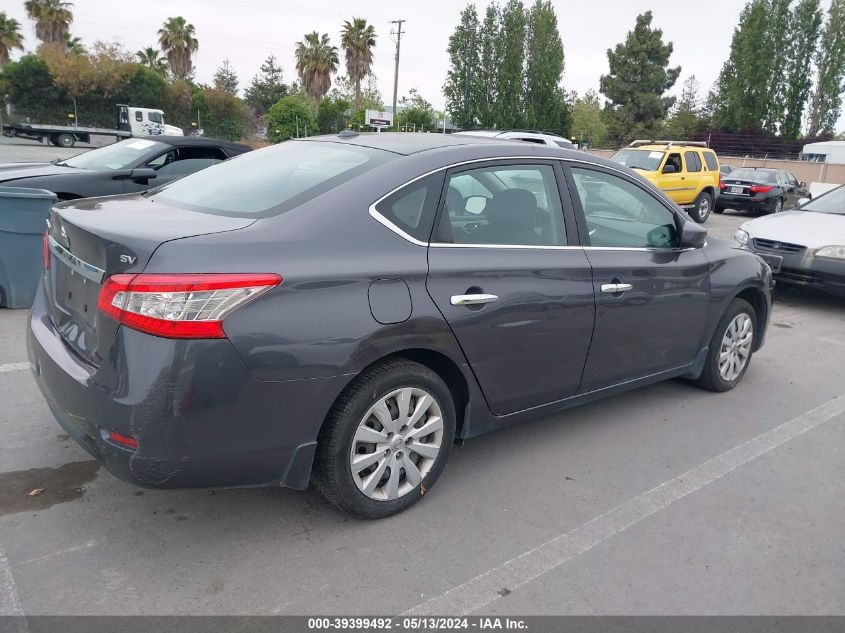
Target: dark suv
(340, 309)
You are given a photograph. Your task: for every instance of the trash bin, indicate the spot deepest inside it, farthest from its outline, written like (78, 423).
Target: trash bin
(23, 215)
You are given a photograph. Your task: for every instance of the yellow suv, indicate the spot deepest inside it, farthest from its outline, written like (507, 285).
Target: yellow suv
(688, 172)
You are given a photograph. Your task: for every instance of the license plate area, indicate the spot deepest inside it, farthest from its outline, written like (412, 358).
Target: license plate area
(774, 261)
(739, 190)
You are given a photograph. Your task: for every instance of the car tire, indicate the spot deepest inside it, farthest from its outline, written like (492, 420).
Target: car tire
(719, 210)
(702, 207)
(371, 493)
(66, 140)
(716, 376)
(778, 205)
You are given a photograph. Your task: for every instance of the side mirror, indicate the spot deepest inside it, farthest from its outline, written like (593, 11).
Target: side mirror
(693, 235)
(802, 201)
(142, 175)
(669, 169)
(803, 185)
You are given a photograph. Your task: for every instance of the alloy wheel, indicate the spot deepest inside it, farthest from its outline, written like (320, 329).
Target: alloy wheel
(704, 208)
(396, 443)
(736, 347)
(778, 205)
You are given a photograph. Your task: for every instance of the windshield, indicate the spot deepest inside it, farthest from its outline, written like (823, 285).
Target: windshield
(754, 175)
(831, 202)
(644, 159)
(271, 180)
(117, 156)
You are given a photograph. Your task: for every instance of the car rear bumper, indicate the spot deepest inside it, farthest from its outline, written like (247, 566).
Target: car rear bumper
(745, 203)
(200, 418)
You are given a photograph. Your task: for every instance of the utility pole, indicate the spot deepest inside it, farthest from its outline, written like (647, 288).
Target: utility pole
(398, 34)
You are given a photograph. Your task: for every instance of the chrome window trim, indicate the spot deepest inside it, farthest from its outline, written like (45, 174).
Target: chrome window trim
(89, 271)
(387, 223)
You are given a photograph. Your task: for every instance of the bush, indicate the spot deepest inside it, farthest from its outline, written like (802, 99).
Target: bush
(289, 118)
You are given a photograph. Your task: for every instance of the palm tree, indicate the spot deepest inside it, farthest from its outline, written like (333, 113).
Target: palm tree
(178, 43)
(52, 20)
(73, 45)
(150, 58)
(316, 62)
(358, 40)
(10, 37)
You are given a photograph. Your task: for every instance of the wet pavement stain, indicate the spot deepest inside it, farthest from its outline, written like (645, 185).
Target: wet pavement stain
(62, 484)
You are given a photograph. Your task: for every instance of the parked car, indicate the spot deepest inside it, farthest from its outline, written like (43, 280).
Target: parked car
(128, 166)
(726, 170)
(687, 172)
(339, 308)
(804, 246)
(760, 190)
(529, 136)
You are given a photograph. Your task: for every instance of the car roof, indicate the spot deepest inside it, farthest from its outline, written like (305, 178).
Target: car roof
(407, 143)
(199, 141)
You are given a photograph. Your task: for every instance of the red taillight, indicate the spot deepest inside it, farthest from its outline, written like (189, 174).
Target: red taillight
(180, 306)
(128, 442)
(45, 250)
(722, 185)
(760, 188)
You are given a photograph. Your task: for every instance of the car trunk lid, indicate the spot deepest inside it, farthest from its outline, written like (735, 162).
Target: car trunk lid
(89, 240)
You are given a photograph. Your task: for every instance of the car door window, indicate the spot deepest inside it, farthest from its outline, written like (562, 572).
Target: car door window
(621, 214)
(675, 161)
(522, 207)
(693, 161)
(180, 154)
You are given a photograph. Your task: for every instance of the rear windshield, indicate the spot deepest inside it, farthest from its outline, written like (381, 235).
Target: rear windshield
(648, 160)
(270, 180)
(830, 202)
(754, 175)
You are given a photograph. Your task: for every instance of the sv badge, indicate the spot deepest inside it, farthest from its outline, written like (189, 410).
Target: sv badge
(128, 259)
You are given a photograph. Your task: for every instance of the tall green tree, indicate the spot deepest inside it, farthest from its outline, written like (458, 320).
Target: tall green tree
(685, 119)
(267, 87)
(316, 62)
(777, 53)
(462, 78)
(52, 20)
(588, 126)
(151, 58)
(638, 80)
(510, 53)
(805, 24)
(179, 43)
(10, 37)
(826, 103)
(358, 39)
(543, 101)
(290, 118)
(226, 79)
(488, 65)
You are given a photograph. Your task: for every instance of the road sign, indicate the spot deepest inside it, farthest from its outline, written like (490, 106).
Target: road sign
(377, 118)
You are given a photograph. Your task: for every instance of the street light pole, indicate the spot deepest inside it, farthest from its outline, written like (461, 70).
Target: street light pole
(398, 24)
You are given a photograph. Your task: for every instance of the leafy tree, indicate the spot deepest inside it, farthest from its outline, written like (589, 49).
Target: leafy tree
(30, 88)
(358, 40)
(776, 50)
(462, 77)
(639, 77)
(588, 126)
(543, 68)
(742, 95)
(74, 45)
(332, 116)
(316, 62)
(223, 114)
(147, 89)
(685, 120)
(806, 20)
(510, 54)
(151, 58)
(10, 37)
(289, 118)
(52, 20)
(417, 113)
(826, 103)
(371, 98)
(179, 43)
(267, 88)
(488, 65)
(226, 78)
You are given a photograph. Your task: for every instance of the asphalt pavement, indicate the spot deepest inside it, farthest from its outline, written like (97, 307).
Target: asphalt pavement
(665, 500)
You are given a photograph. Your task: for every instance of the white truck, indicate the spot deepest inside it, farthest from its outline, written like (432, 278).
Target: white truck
(131, 121)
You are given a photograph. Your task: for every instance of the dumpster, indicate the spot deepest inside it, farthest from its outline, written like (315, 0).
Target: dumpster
(23, 220)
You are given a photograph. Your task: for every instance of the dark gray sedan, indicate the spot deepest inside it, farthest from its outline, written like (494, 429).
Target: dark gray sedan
(129, 166)
(340, 309)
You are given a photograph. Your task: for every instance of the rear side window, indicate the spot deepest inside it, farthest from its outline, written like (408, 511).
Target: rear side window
(710, 159)
(413, 207)
(271, 180)
(693, 161)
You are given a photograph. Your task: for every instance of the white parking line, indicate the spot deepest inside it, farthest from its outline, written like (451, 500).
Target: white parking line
(478, 592)
(13, 367)
(10, 604)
